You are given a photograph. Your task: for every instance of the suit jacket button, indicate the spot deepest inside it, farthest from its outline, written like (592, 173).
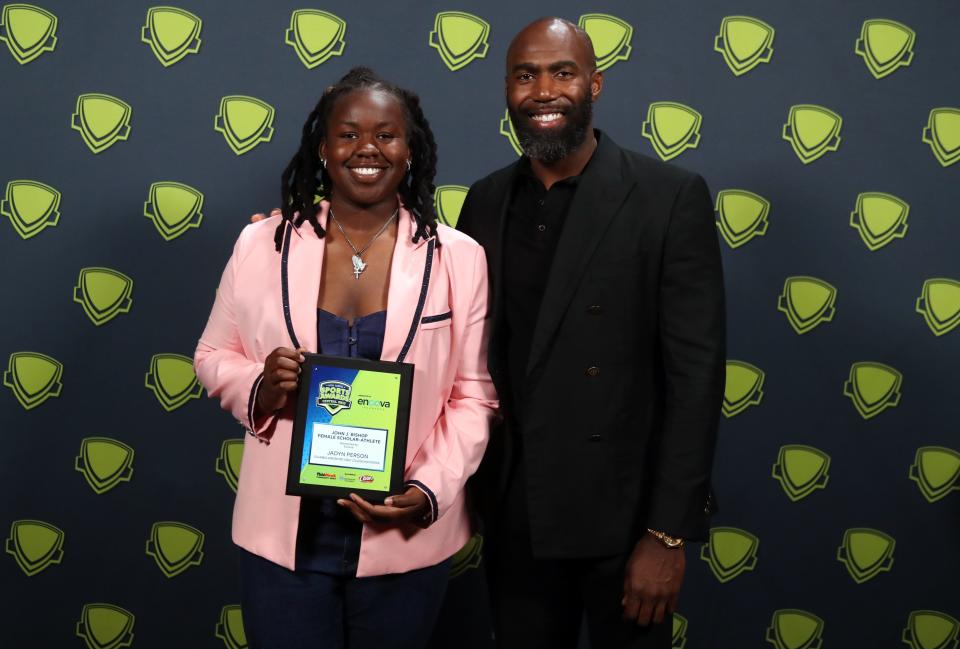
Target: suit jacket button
(596, 438)
(594, 309)
(593, 371)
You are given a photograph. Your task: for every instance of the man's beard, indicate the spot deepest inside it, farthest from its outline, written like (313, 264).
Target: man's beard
(553, 146)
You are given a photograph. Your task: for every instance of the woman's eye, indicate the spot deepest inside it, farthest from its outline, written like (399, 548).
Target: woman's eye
(386, 136)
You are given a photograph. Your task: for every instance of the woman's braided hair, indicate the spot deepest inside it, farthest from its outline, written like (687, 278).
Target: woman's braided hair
(300, 183)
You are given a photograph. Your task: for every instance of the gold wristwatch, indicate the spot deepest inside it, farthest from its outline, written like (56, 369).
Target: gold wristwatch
(672, 542)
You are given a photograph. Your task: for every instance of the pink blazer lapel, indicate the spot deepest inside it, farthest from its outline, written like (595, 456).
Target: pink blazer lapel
(409, 277)
(304, 261)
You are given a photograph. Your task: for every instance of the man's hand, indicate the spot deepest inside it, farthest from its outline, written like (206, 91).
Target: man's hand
(410, 507)
(259, 216)
(651, 585)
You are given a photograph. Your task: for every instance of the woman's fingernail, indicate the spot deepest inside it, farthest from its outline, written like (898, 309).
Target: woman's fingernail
(388, 502)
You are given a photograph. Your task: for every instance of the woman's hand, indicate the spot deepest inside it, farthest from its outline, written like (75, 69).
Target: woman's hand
(410, 507)
(281, 374)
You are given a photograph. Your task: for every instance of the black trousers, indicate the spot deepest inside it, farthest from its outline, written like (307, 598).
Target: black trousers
(542, 602)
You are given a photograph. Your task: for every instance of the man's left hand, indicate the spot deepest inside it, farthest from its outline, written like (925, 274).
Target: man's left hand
(651, 585)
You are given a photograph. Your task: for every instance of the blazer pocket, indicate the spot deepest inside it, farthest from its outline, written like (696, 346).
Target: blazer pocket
(436, 321)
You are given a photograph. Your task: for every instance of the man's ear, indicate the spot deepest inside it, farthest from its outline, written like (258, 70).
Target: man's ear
(596, 84)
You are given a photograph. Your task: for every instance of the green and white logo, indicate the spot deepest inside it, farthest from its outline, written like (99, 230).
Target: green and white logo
(885, 45)
(672, 128)
(679, 632)
(172, 379)
(807, 302)
(880, 218)
(174, 208)
(801, 470)
(448, 201)
(744, 42)
(175, 547)
(33, 378)
(35, 545)
(468, 557)
(102, 120)
(741, 216)
(315, 36)
(28, 31)
(506, 130)
(866, 553)
(936, 470)
(873, 387)
(230, 627)
(942, 133)
(730, 552)
(104, 463)
(31, 206)
(744, 387)
(611, 38)
(105, 626)
(931, 630)
(103, 293)
(939, 304)
(171, 33)
(792, 628)
(244, 121)
(459, 37)
(812, 131)
(229, 460)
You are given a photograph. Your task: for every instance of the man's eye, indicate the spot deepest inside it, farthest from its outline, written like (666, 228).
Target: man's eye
(526, 76)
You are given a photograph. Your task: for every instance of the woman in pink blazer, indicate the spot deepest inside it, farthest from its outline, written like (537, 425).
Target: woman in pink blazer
(370, 273)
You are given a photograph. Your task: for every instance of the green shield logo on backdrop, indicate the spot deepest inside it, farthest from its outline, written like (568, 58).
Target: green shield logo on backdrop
(611, 38)
(229, 460)
(315, 36)
(866, 553)
(879, 218)
(31, 206)
(172, 379)
(244, 121)
(104, 463)
(942, 133)
(35, 545)
(175, 547)
(791, 628)
(33, 378)
(730, 552)
(102, 120)
(741, 216)
(936, 470)
(174, 208)
(885, 46)
(801, 470)
(807, 302)
(744, 387)
(171, 34)
(672, 128)
(468, 557)
(459, 37)
(506, 130)
(448, 201)
(28, 31)
(744, 42)
(230, 627)
(939, 304)
(679, 632)
(812, 131)
(873, 387)
(103, 293)
(105, 626)
(931, 630)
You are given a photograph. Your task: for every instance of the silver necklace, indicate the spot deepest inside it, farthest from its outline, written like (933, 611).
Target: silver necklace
(358, 264)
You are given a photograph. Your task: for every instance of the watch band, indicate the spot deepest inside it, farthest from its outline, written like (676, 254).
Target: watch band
(672, 542)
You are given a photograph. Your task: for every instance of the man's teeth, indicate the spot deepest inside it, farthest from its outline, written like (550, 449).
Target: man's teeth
(547, 117)
(366, 171)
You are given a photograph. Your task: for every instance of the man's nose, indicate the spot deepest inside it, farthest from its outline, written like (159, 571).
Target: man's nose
(544, 90)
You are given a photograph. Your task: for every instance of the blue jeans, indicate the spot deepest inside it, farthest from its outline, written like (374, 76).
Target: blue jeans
(301, 609)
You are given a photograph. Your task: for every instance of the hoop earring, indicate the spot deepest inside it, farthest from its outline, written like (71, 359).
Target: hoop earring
(409, 164)
(323, 161)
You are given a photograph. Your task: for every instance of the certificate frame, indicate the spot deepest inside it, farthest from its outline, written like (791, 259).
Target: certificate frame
(339, 397)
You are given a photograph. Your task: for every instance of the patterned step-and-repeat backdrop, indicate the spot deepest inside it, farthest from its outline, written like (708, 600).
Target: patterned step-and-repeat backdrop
(138, 139)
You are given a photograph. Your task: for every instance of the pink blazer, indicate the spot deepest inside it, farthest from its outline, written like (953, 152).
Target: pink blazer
(453, 396)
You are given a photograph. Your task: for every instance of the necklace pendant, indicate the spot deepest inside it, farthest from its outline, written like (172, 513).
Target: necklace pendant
(358, 266)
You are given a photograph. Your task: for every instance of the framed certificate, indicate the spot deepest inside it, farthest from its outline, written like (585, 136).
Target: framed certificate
(350, 428)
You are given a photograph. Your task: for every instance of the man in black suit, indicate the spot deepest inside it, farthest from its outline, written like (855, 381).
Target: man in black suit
(608, 351)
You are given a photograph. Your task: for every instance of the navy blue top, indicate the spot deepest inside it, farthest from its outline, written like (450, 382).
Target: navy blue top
(328, 536)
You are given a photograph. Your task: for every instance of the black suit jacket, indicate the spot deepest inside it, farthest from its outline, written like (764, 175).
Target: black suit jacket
(627, 364)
